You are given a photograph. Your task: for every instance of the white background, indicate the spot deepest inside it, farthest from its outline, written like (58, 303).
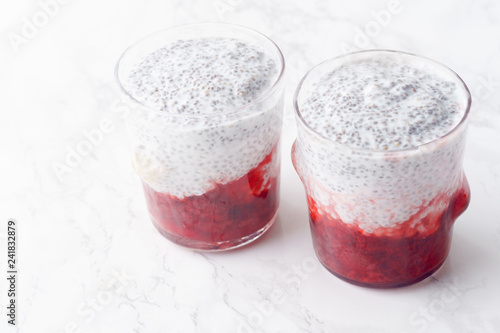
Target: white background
(90, 260)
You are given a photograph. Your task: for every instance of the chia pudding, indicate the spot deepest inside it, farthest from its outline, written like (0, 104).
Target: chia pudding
(206, 137)
(379, 149)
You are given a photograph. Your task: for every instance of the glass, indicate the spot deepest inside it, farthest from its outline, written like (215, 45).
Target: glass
(211, 181)
(410, 197)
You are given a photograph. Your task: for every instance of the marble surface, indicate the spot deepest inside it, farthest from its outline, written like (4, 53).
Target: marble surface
(90, 260)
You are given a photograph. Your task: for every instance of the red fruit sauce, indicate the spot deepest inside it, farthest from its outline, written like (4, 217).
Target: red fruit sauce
(388, 257)
(226, 216)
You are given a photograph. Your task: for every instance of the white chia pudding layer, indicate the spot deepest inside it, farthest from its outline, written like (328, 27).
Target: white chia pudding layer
(372, 154)
(205, 122)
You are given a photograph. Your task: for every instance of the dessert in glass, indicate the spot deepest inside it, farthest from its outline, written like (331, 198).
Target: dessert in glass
(205, 131)
(379, 149)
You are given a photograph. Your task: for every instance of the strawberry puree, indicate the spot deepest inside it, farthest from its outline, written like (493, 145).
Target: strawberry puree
(406, 253)
(224, 215)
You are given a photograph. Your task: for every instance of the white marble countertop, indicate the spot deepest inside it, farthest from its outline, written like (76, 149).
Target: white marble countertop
(89, 259)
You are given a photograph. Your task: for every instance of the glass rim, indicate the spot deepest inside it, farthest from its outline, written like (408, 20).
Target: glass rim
(371, 151)
(266, 94)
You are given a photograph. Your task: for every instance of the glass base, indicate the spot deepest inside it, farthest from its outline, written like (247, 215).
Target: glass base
(396, 284)
(215, 246)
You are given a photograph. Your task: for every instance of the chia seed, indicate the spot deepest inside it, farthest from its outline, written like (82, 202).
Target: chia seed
(380, 104)
(193, 138)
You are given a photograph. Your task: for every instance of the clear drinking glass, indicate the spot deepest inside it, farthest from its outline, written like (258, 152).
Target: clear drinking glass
(211, 181)
(409, 197)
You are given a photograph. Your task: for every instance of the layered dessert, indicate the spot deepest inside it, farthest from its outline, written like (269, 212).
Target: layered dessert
(206, 143)
(379, 150)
